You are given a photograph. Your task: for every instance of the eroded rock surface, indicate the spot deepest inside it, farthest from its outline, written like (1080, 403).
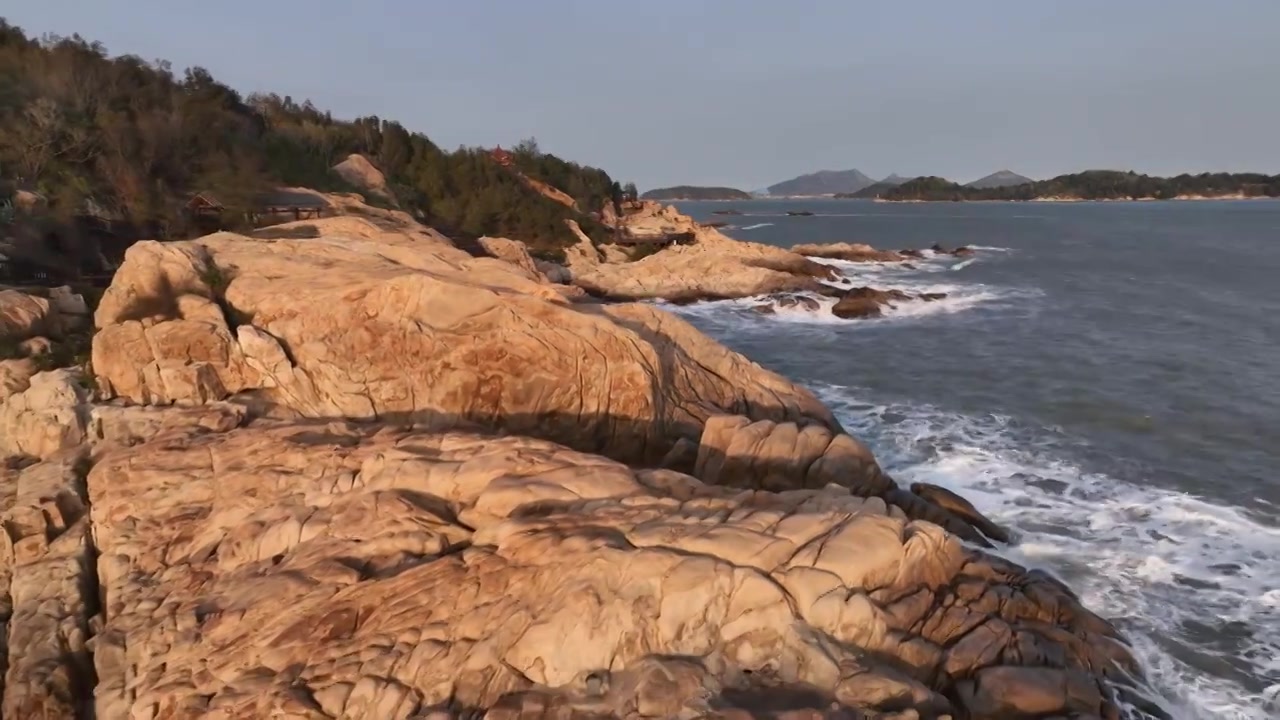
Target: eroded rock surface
(712, 267)
(50, 593)
(353, 326)
(425, 570)
(308, 486)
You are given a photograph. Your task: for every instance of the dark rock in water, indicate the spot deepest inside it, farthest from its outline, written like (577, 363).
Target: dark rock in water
(715, 224)
(799, 213)
(910, 252)
(962, 251)
(961, 508)
(909, 266)
(864, 302)
(853, 308)
(726, 212)
(787, 302)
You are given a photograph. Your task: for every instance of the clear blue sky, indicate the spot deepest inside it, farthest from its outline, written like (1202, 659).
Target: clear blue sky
(750, 92)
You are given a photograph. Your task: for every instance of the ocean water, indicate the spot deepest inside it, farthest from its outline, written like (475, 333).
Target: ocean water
(1102, 377)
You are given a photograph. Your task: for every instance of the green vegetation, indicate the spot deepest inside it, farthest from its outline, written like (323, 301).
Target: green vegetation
(133, 140)
(1096, 185)
(695, 192)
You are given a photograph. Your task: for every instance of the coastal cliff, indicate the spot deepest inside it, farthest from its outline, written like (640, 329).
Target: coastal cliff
(477, 492)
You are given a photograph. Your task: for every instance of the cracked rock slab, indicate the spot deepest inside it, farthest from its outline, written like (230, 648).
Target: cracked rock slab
(339, 570)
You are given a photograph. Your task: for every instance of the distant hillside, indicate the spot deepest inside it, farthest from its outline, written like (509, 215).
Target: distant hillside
(876, 190)
(1097, 185)
(825, 182)
(871, 191)
(1000, 178)
(696, 192)
(129, 141)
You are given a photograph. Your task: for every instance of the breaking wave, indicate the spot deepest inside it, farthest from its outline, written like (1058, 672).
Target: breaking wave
(914, 278)
(1192, 584)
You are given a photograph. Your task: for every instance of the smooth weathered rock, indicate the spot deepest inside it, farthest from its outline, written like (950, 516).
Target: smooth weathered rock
(784, 456)
(23, 316)
(853, 252)
(350, 325)
(513, 252)
(359, 172)
(713, 267)
(430, 572)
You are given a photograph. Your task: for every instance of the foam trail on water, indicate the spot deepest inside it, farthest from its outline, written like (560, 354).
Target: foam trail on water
(1192, 584)
(757, 225)
(740, 315)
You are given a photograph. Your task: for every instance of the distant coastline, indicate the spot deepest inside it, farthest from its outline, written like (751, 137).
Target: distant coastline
(696, 192)
(1095, 186)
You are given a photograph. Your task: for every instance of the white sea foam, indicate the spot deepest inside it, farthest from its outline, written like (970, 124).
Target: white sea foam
(757, 225)
(1191, 583)
(912, 278)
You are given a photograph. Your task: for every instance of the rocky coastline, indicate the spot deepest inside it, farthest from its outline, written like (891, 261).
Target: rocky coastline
(368, 474)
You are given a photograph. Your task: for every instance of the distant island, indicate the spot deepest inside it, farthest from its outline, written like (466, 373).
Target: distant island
(1095, 185)
(824, 182)
(696, 192)
(877, 189)
(1000, 178)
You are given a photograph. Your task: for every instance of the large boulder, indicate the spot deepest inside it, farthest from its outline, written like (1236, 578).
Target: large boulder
(357, 325)
(24, 315)
(449, 572)
(357, 171)
(514, 252)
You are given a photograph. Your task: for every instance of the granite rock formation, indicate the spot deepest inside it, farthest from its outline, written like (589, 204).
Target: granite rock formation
(368, 475)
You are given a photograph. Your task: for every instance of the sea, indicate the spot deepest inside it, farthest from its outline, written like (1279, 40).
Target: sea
(1104, 378)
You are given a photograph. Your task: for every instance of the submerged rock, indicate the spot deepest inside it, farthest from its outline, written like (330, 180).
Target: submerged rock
(788, 302)
(962, 251)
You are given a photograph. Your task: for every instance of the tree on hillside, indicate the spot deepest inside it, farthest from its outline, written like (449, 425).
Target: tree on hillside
(630, 192)
(133, 137)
